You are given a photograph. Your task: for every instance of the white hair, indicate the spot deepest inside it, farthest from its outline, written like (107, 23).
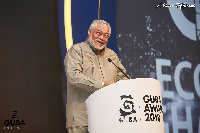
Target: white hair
(95, 22)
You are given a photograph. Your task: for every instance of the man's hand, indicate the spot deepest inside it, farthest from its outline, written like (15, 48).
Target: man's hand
(106, 83)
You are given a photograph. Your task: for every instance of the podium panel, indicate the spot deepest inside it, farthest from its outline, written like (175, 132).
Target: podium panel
(125, 107)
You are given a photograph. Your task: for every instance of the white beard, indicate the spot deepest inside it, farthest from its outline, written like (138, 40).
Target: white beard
(92, 43)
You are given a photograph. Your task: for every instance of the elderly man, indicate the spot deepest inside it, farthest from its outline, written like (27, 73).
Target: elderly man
(88, 70)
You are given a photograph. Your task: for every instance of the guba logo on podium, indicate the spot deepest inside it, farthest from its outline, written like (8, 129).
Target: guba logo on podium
(149, 108)
(128, 108)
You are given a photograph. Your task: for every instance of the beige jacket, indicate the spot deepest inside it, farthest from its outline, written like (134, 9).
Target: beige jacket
(85, 72)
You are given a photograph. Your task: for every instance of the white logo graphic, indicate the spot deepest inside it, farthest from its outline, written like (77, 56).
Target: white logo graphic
(187, 28)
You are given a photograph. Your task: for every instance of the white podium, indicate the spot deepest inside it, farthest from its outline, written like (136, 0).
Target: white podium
(128, 106)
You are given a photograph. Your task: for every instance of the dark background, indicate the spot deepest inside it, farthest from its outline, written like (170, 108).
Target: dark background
(31, 66)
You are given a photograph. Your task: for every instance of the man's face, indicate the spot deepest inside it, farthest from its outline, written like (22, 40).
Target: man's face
(99, 36)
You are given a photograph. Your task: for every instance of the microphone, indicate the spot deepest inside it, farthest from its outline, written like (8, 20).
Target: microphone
(118, 68)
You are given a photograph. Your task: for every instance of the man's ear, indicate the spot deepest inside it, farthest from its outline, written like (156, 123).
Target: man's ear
(89, 32)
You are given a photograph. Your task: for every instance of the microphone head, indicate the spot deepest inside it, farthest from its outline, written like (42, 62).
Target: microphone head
(109, 60)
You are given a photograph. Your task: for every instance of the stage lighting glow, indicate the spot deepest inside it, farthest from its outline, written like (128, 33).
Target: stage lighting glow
(68, 25)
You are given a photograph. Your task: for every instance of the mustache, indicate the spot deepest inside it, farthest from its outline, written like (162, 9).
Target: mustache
(99, 40)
